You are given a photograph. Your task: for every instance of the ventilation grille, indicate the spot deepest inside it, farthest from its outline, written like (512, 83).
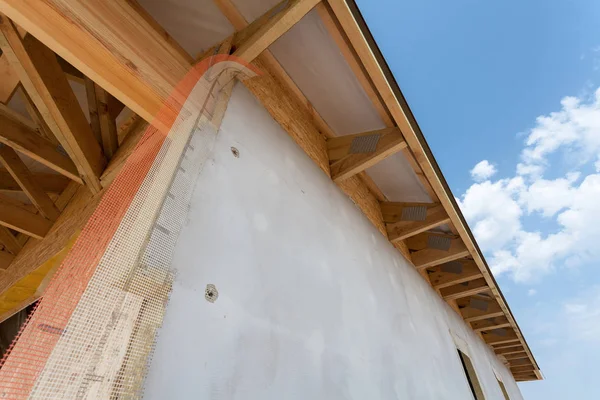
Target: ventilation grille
(365, 144)
(453, 267)
(414, 213)
(439, 242)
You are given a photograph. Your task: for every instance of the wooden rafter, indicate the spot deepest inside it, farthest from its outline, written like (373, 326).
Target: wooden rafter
(9, 240)
(47, 85)
(490, 324)
(399, 229)
(17, 218)
(27, 141)
(270, 27)
(465, 289)
(50, 183)
(429, 257)
(443, 276)
(510, 349)
(20, 173)
(351, 154)
(5, 259)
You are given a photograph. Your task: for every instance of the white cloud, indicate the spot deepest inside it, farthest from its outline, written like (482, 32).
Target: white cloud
(573, 129)
(497, 209)
(583, 316)
(483, 170)
(531, 292)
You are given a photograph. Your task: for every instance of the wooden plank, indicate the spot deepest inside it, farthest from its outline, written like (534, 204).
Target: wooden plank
(401, 230)
(440, 279)
(516, 356)
(47, 85)
(430, 257)
(50, 183)
(9, 80)
(390, 142)
(5, 259)
(18, 219)
(28, 142)
(90, 93)
(493, 339)
(513, 349)
(28, 183)
(465, 289)
(264, 33)
(9, 240)
(108, 125)
(490, 323)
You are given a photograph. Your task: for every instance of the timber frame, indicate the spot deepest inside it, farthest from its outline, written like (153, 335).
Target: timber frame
(43, 48)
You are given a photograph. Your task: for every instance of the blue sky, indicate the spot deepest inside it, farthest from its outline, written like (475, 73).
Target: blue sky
(506, 95)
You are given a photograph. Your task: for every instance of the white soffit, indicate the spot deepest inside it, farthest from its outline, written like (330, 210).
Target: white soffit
(196, 25)
(313, 60)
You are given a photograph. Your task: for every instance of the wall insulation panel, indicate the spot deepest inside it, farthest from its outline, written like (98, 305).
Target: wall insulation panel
(283, 289)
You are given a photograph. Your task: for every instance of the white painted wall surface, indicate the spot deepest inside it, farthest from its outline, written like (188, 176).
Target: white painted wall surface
(314, 303)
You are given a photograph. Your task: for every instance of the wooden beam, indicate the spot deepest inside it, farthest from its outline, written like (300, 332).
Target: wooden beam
(20, 173)
(346, 162)
(401, 230)
(5, 259)
(267, 29)
(495, 340)
(108, 125)
(440, 278)
(90, 93)
(512, 349)
(471, 314)
(28, 142)
(430, 257)
(490, 324)
(47, 85)
(50, 183)
(102, 40)
(9, 80)
(18, 219)
(9, 240)
(516, 356)
(464, 289)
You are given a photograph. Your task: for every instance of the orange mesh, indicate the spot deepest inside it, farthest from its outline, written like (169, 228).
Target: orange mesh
(93, 332)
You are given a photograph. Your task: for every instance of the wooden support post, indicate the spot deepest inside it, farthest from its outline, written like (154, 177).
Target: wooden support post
(351, 154)
(108, 125)
(20, 173)
(47, 85)
(17, 218)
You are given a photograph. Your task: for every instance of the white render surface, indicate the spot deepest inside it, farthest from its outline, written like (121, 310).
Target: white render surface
(313, 302)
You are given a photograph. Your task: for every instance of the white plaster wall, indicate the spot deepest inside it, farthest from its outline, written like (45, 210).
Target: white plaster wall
(313, 302)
